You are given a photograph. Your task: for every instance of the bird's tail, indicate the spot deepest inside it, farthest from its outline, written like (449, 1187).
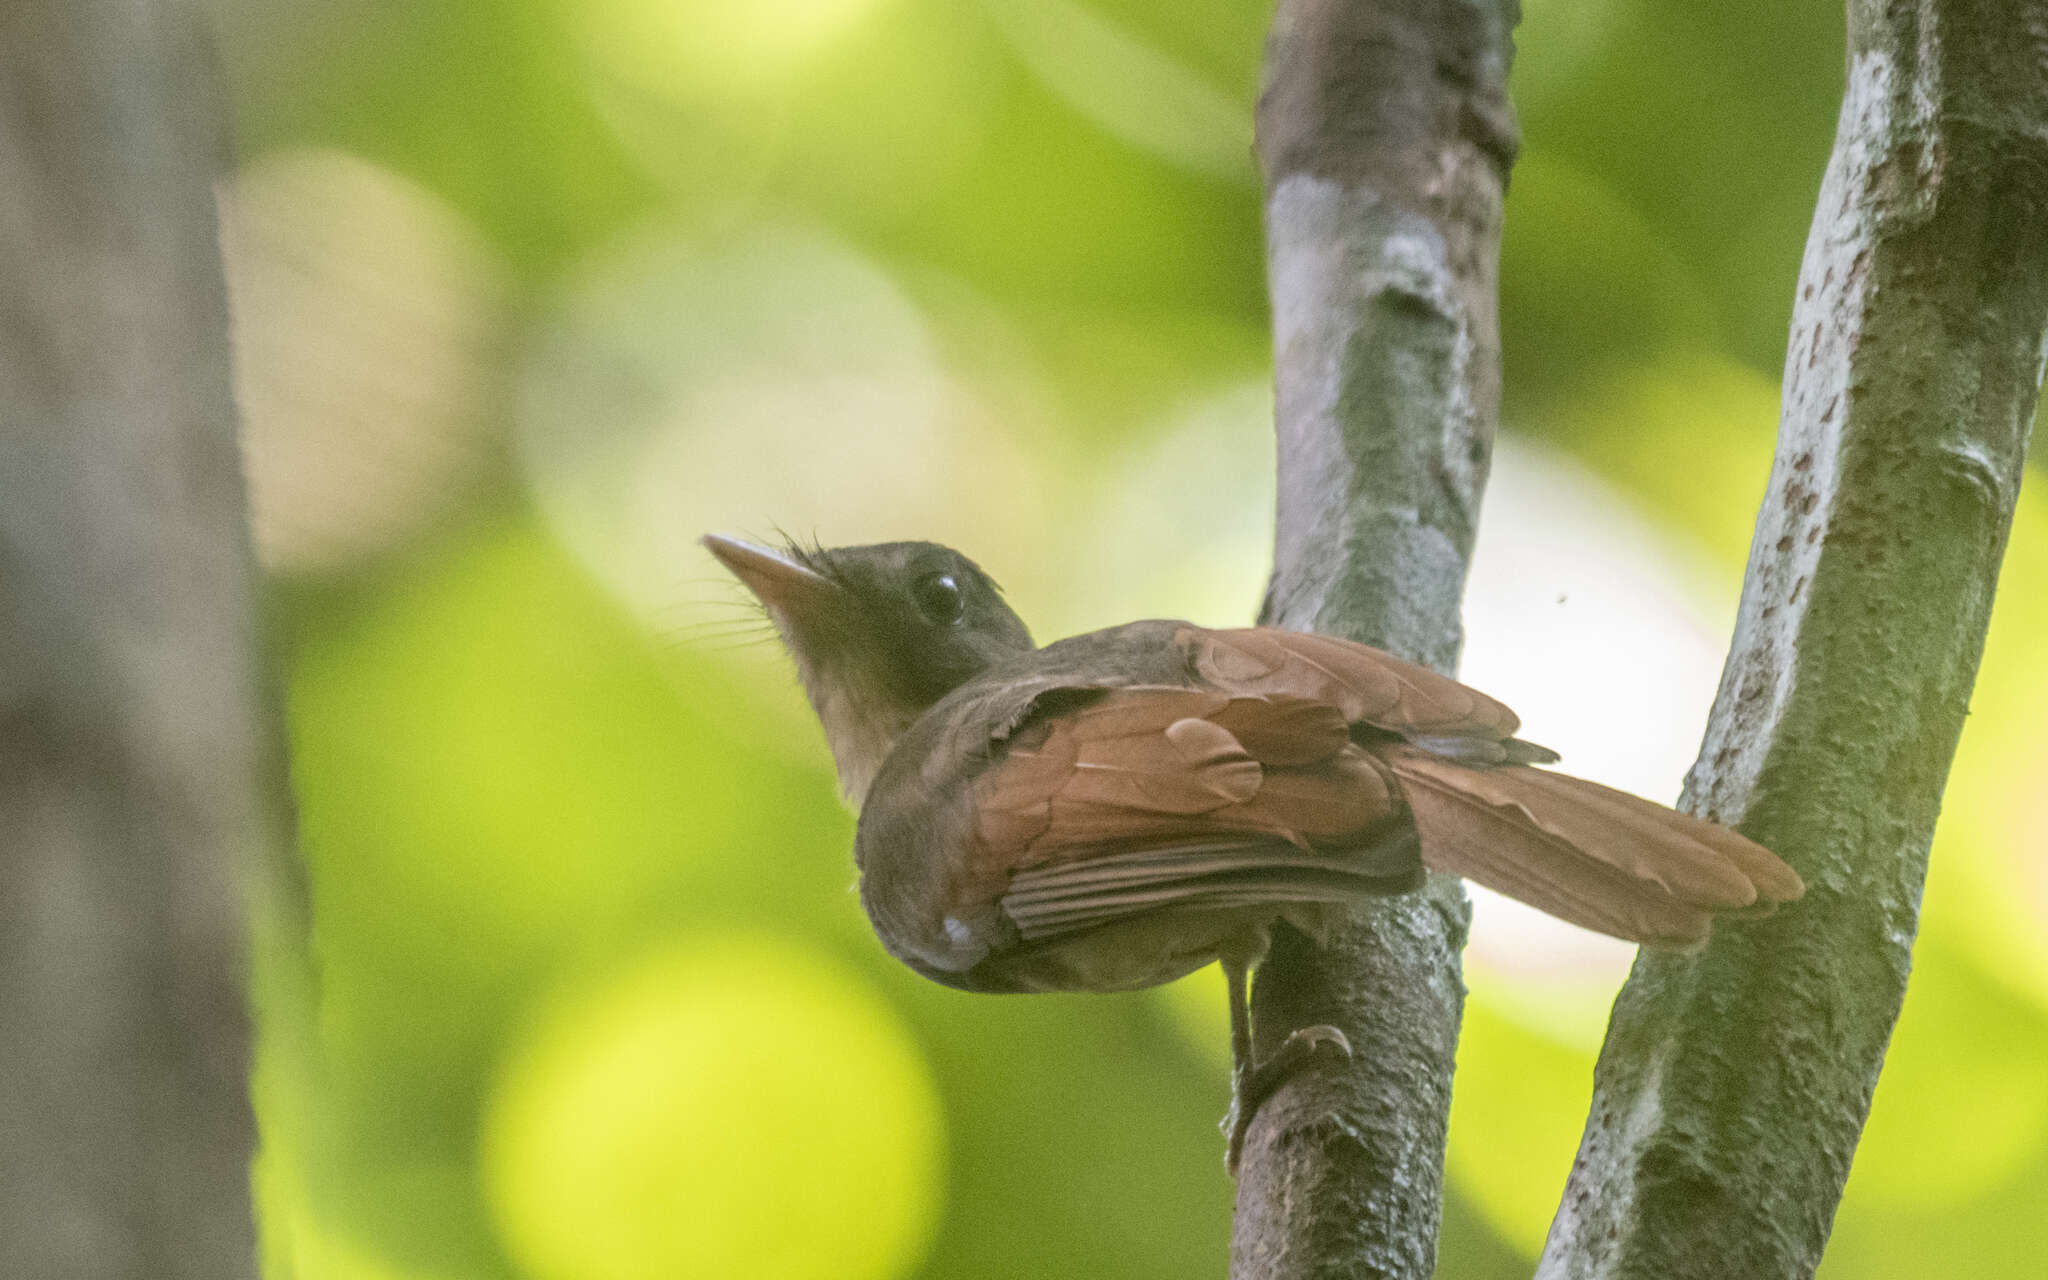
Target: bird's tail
(1586, 853)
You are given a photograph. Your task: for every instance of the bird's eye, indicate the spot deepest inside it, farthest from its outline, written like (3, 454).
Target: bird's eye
(938, 598)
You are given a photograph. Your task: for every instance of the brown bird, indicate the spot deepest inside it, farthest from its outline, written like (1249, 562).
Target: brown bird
(1118, 809)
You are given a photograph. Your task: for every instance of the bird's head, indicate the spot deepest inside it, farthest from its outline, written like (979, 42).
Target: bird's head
(878, 634)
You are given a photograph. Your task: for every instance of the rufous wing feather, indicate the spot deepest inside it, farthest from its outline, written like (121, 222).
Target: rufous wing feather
(1365, 685)
(1154, 797)
(1057, 898)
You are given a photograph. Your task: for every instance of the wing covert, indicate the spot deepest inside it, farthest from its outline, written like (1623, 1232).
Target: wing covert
(1367, 685)
(1154, 797)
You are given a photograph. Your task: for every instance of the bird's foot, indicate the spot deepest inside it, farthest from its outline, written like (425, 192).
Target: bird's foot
(1261, 1081)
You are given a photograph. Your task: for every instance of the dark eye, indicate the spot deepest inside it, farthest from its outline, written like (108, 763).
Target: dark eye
(938, 598)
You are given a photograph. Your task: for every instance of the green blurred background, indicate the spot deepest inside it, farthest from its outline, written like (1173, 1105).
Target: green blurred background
(530, 293)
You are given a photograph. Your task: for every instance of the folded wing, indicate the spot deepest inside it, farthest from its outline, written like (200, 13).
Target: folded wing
(1310, 770)
(1157, 797)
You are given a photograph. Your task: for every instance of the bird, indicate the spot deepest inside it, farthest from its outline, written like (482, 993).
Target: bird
(1117, 809)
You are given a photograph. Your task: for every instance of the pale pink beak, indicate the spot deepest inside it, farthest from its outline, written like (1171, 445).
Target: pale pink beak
(778, 581)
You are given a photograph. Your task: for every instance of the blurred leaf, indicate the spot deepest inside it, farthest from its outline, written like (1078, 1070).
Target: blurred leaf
(1219, 40)
(495, 776)
(729, 1106)
(1952, 1175)
(713, 48)
(885, 125)
(688, 384)
(1516, 1113)
(1135, 91)
(369, 362)
(1084, 1139)
(1053, 211)
(1691, 434)
(475, 100)
(864, 119)
(1586, 283)
(1554, 43)
(509, 789)
(1714, 122)
(1987, 883)
(1960, 1107)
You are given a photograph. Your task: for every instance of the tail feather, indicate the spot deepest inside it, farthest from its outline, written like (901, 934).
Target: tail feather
(1772, 881)
(1597, 857)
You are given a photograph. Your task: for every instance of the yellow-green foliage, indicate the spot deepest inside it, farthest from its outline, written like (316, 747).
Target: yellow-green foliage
(586, 995)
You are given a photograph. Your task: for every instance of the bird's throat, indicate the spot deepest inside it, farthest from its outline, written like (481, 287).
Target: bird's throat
(862, 721)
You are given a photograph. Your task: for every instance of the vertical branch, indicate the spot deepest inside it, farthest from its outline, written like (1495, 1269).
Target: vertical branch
(133, 747)
(1734, 1083)
(1385, 136)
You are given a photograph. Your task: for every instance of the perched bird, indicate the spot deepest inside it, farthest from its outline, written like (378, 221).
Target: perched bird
(1120, 808)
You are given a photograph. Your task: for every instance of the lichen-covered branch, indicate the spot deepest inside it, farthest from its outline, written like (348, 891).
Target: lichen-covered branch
(1734, 1083)
(135, 770)
(1385, 137)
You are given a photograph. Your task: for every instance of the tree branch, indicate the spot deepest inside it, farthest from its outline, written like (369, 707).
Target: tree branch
(1734, 1082)
(1385, 136)
(136, 770)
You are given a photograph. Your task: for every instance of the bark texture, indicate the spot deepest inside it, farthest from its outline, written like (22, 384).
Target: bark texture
(1734, 1083)
(132, 745)
(1385, 137)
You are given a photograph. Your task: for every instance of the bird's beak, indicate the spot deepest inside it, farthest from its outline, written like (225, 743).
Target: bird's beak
(780, 583)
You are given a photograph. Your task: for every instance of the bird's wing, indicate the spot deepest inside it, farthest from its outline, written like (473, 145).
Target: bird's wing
(1047, 901)
(1597, 857)
(1155, 796)
(1367, 685)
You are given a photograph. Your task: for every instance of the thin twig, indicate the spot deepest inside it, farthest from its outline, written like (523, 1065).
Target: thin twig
(1385, 137)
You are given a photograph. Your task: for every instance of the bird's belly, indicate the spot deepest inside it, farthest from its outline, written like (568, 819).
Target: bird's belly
(1151, 950)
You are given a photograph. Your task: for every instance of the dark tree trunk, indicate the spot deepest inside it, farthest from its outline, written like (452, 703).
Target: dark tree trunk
(137, 763)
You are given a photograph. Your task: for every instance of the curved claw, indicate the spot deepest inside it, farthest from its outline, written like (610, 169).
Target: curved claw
(1261, 1081)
